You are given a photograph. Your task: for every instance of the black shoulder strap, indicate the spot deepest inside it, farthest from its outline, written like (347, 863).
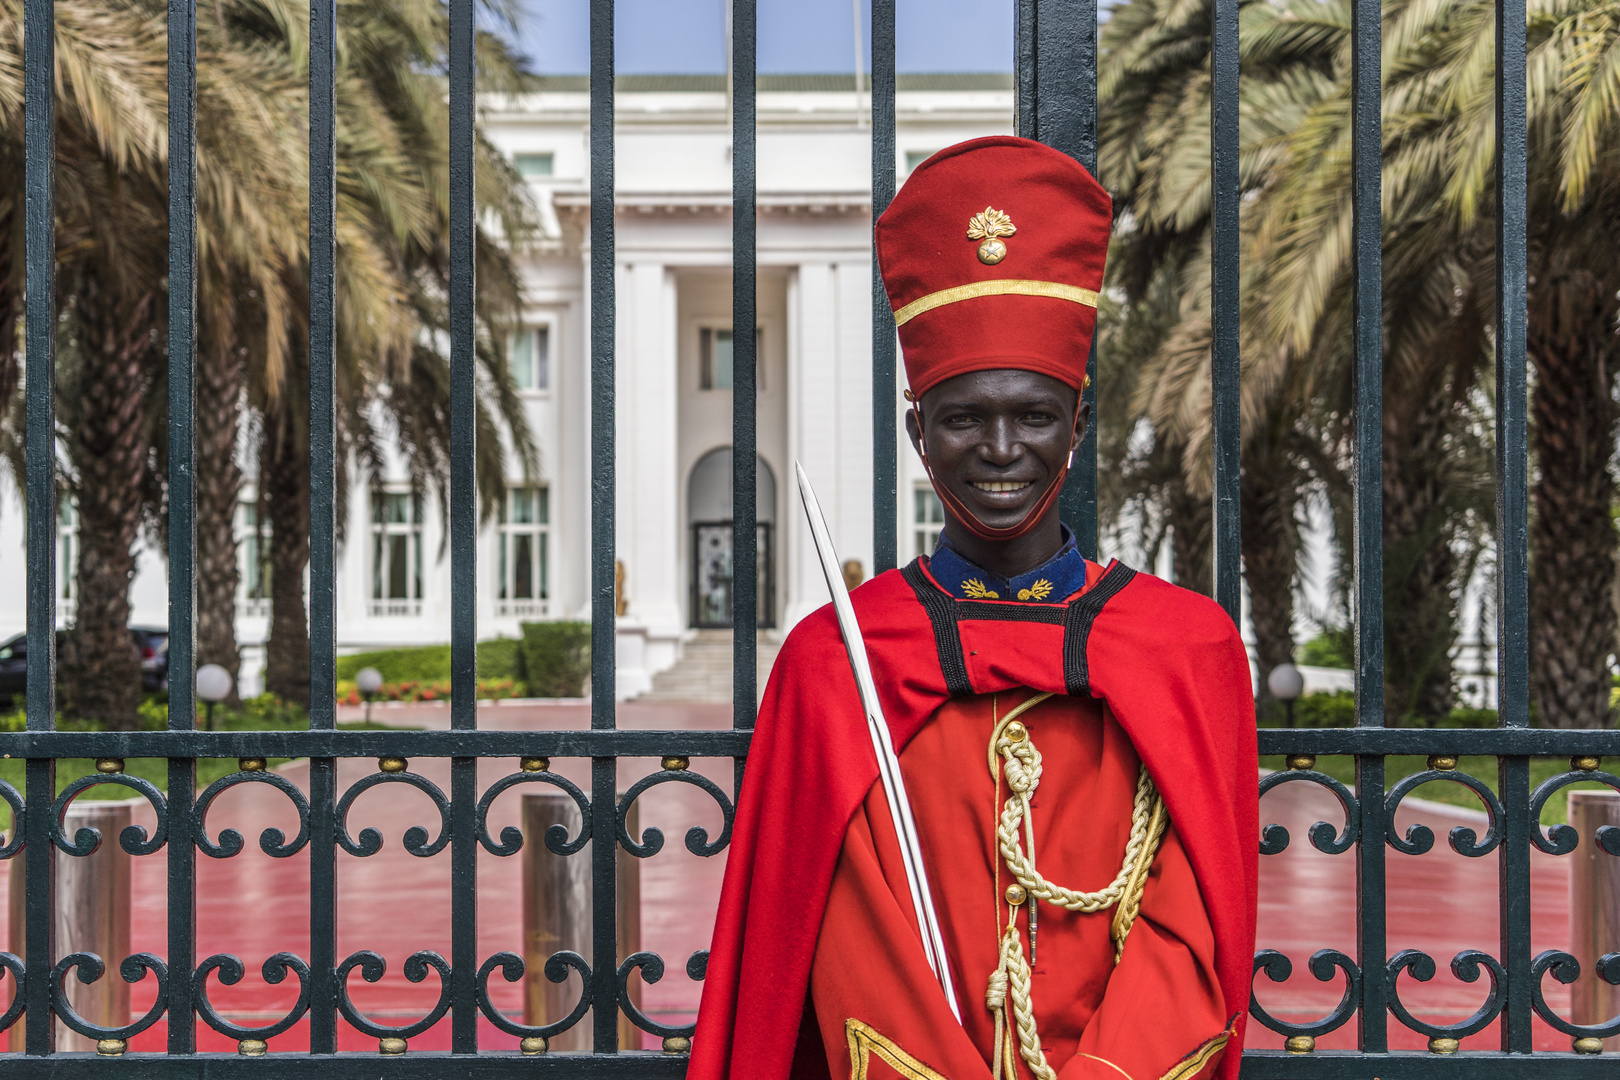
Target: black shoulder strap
(945, 612)
(1077, 626)
(941, 610)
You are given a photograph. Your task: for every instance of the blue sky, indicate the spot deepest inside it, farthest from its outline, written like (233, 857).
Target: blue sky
(795, 36)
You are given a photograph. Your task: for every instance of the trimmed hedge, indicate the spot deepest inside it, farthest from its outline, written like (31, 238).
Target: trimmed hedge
(422, 663)
(556, 658)
(500, 658)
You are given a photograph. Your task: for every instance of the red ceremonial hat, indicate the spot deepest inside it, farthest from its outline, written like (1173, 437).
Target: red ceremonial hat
(992, 254)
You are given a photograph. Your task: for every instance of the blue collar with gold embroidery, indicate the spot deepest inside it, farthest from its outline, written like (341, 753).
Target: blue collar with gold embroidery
(1057, 579)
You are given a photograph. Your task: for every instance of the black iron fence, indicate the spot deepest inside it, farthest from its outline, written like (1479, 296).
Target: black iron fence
(1056, 94)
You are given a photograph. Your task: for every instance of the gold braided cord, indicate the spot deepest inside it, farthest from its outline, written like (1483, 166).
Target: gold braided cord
(1021, 1022)
(1130, 905)
(1009, 994)
(999, 287)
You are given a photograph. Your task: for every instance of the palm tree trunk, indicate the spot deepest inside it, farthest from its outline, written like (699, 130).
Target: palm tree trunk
(1572, 535)
(101, 670)
(219, 487)
(1420, 565)
(1270, 549)
(284, 479)
(1190, 539)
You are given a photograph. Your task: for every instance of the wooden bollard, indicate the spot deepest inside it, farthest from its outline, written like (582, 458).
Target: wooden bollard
(92, 915)
(1594, 908)
(557, 915)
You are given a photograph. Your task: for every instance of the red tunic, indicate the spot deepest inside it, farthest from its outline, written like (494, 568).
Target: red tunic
(1158, 1007)
(1170, 669)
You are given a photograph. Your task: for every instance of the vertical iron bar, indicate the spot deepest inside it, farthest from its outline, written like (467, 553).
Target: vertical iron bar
(463, 526)
(1367, 167)
(322, 518)
(1371, 923)
(182, 855)
(1367, 170)
(604, 824)
(39, 126)
(1513, 900)
(1512, 462)
(1512, 512)
(885, 459)
(744, 368)
(1059, 59)
(463, 372)
(1225, 407)
(1024, 56)
(603, 487)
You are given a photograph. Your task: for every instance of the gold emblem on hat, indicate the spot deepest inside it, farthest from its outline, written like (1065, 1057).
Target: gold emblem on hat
(989, 227)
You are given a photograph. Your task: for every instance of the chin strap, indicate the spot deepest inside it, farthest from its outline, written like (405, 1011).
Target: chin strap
(967, 517)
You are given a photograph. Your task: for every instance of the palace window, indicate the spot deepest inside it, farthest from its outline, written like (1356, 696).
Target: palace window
(396, 554)
(927, 519)
(530, 166)
(253, 563)
(523, 588)
(915, 158)
(715, 354)
(531, 358)
(67, 556)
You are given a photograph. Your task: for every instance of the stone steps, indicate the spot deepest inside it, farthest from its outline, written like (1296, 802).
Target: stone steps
(704, 671)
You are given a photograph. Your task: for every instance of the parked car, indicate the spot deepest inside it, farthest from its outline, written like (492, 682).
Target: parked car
(151, 641)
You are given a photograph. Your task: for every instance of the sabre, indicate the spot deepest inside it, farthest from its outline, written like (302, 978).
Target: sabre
(894, 785)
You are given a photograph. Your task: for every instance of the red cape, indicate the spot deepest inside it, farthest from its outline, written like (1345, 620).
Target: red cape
(1168, 662)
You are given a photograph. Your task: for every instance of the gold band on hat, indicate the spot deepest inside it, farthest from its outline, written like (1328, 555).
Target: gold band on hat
(1001, 287)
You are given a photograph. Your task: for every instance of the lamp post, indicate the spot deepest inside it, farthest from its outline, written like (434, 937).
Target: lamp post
(213, 686)
(368, 680)
(1286, 682)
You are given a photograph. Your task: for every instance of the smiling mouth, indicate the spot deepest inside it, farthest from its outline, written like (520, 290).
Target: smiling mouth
(1001, 486)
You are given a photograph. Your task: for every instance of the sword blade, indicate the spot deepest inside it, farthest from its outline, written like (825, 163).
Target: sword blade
(894, 785)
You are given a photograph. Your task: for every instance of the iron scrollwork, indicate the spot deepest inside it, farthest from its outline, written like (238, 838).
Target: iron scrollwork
(1323, 964)
(652, 970)
(13, 963)
(13, 799)
(1274, 838)
(1562, 839)
(697, 837)
(557, 967)
(1566, 969)
(511, 841)
(1466, 965)
(272, 842)
(133, 839)
(231, 970)
(89, 967)
(1420, 838)
(416, 837)
(372, 967)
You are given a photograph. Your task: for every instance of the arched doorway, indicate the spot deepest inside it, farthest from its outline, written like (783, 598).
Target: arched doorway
(708, 513)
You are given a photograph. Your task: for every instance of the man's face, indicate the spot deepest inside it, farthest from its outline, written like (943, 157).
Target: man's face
(997, 439)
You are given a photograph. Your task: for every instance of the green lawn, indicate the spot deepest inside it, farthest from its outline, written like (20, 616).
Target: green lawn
(1343, 769)
(258, 715)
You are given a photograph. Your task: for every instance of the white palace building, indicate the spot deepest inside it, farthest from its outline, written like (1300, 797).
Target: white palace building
(673, 173)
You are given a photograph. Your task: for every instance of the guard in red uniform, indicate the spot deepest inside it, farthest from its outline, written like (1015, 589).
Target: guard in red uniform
(1077, 741)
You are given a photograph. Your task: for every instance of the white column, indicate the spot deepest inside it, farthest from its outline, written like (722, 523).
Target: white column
(829, 422)
(852, 293)
(648, 484)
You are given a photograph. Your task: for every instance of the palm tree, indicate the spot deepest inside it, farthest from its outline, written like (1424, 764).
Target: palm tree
(1155, 158)
(111, 228)
(252, 214)
(1298, 396)
(393, 201)
(1439, 148)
